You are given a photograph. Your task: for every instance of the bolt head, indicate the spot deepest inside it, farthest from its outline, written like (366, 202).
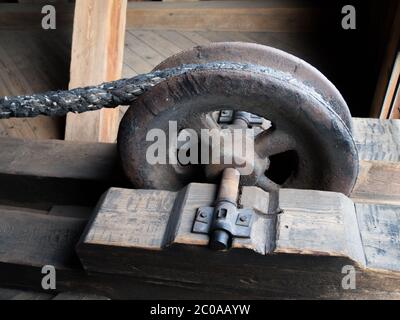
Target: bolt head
(202, 214)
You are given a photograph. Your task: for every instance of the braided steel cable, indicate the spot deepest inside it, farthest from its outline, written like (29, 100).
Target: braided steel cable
(105, 95)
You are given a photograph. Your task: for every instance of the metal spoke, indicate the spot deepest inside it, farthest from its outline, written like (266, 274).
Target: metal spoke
(272, 141)
(267, 184)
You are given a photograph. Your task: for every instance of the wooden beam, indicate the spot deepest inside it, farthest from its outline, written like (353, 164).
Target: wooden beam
(97, 51)
(395, 112)
(387, 64)
(390, 95)
(136, 233)
(51, 172)
(251, 16)
(192, 271)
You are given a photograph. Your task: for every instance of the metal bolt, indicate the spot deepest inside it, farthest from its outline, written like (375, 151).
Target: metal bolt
(202, 214)
(243, 218)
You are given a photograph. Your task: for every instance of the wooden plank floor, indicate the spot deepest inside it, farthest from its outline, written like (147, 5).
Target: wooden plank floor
(33, 61)
(144, 49)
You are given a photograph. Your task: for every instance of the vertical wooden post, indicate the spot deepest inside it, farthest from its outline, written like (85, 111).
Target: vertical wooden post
(97, 54)
(377, 108)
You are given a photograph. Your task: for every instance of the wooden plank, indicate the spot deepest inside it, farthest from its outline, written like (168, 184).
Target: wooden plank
(78, 212)
(158, 43)
(49, 172)
(144, 231)
(395, 112)
(194, 272)
(177, 39)
(378, 145)
(146, 52)
(97, 50)
(318, 223)
(377, 182)
(195, 37)
(377, 139)
(312, 223)
(380, 234)
(222, 16)
(257, 16)
(392, 42)
(28, 61)
(318, 252)
(391, 89)
(38, 239)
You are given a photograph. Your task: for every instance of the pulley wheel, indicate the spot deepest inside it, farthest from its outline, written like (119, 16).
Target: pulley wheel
(267, 57)
(308, 146)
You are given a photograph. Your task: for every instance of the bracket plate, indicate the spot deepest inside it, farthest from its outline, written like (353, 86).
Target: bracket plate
(240, 222)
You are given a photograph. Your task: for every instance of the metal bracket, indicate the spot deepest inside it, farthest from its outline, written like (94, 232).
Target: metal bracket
(228, 116)
(225, 220)
(237, 222)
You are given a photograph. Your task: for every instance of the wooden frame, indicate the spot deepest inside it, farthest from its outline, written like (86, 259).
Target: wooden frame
(97, 51)
(312, 269)
(384, 89)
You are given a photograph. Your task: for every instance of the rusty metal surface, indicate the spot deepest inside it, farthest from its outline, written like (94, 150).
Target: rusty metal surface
(268, 57)
(303, 122)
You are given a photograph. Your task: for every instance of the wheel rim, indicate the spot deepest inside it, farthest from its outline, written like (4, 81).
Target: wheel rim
(276, 59)
(323, 143)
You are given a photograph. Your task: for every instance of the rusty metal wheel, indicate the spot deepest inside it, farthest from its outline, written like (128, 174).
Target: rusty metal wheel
(265, 56)
(306, 135)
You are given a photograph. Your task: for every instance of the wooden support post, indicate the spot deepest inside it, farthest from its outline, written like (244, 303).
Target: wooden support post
(378, 106)
(97, 51)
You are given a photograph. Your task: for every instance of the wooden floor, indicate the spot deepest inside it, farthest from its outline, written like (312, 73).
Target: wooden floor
(39, 61)
(145, 49)
(33, 61)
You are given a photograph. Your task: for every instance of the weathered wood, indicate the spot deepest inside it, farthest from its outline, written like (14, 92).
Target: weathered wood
(187, 271)
(222, 16)
(50, 172)
(395, 112)
(146, 230)
(316, 233)
(37, 240)
(208, 15)
(380, 234)
(392, 43)
(388, 102)
(312, 223)
(97, 51)
(377, 139)
(377, 182)
(318, 223)
(71, 211)
(33, 61)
